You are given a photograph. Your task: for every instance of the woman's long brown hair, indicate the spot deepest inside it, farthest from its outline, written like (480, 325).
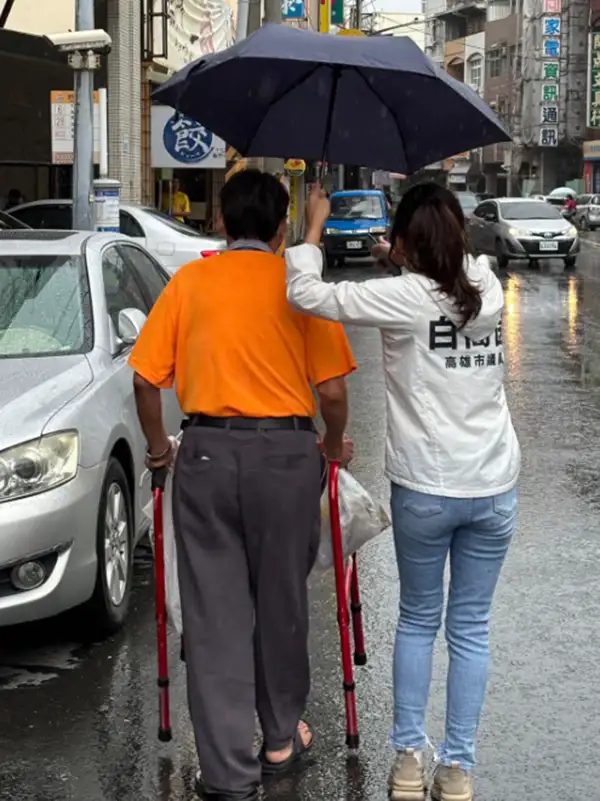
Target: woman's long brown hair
(431, 226)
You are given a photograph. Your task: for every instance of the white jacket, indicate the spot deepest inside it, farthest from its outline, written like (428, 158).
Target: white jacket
(449, 430)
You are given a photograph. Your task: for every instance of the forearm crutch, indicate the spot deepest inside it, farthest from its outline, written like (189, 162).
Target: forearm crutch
(348, 599)
(159, 479)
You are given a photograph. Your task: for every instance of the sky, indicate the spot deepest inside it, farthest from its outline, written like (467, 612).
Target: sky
(406, 6)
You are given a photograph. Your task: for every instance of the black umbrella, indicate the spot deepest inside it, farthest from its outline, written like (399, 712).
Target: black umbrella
(375, 101)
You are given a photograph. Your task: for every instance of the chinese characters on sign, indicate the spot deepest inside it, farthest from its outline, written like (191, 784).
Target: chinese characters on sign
(551, 51)
(337, 12)
(489, 352)
(62, 116)
(292, 9)
(594, 81)
(181, 142)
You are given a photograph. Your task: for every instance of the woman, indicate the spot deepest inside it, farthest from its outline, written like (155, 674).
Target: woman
(452, 456)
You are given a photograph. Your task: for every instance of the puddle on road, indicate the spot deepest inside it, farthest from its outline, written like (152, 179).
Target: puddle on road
(37, 653)
(34, 666)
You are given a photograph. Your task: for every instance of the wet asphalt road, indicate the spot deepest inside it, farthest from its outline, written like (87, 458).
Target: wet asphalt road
(78, 721)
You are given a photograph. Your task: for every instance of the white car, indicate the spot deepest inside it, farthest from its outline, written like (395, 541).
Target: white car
(173, 243)
(71, 447)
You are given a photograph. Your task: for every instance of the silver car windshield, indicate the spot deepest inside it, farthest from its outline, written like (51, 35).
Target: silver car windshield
(530, 211)
(45, 306)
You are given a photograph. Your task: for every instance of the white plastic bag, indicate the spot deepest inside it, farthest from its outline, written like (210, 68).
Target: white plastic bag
(173, 598)
(361, 517)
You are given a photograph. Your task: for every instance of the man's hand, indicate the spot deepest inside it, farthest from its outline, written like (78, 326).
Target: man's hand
(337, 451)
(162, 456)
(317, 213)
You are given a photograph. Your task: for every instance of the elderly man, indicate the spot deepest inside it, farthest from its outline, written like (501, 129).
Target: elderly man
(246, 481)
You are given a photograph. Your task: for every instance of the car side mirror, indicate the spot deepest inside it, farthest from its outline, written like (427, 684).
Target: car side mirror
(131, 322)
(491, 217)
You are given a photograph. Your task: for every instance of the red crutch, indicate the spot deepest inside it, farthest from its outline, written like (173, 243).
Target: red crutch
(159, 479)
(348, 599)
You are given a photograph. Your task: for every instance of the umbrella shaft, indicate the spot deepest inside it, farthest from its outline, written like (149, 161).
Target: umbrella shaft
(334, 85)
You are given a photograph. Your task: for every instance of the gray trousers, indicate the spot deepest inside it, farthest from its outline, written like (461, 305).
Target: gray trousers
(246, 510)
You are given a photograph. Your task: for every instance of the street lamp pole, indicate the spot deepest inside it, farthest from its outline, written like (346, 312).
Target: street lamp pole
(83, 150)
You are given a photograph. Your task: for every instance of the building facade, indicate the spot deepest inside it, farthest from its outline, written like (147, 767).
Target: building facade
(528, 59)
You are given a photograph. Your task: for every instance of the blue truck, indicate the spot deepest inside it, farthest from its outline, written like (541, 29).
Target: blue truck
(358, 218)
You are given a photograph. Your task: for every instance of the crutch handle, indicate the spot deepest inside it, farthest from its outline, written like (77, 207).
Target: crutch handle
(159, 478)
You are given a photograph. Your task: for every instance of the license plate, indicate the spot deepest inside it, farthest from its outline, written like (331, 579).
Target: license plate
(354, 245)
(549, 246)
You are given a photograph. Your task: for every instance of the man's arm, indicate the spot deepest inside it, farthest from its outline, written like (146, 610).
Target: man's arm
(333, 401)
(149, 409)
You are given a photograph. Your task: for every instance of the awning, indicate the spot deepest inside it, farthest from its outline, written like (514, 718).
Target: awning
(460, 169)
(460, 172)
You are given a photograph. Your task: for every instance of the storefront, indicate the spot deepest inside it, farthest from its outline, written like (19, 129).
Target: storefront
(464, 173)
(186, 151)
(591, 166)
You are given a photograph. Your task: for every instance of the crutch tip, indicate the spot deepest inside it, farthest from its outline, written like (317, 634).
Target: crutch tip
(360, 659)
(352, 741)
(165, 735)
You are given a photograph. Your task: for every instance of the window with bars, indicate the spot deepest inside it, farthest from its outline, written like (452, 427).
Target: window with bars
(475, 73)
(497, 62)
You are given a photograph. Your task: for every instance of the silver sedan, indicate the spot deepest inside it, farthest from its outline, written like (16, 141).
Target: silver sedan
(71, 449)
(523, 229)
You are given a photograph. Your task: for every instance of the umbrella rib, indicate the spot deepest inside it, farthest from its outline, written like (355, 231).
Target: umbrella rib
(279, 97)
(382, 101)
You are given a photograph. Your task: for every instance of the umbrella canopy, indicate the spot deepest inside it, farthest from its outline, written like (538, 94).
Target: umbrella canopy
(375, 101)
(562, 191)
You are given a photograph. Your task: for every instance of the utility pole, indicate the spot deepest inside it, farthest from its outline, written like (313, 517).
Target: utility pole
(243, 15)
(324, 16)
(359, 14)
(273, 15)
(272, 11)
(83, 146)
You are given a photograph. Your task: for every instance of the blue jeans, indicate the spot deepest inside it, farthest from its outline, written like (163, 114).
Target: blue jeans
(476, 532)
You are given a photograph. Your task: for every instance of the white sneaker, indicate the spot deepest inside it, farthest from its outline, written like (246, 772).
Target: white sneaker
(452, 783)
(407, 777)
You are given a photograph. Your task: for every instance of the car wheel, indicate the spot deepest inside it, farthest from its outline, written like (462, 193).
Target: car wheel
(570, 262)
(109, 604)
(501, 256)
(340, 261)
(330, 261)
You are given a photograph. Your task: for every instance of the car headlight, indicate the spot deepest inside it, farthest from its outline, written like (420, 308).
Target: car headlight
(572, 231)
(39, 465)
(378, 229)
(330, 231)
(518, 232)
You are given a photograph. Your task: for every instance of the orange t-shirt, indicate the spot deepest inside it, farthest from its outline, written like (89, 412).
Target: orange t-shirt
(224, 333)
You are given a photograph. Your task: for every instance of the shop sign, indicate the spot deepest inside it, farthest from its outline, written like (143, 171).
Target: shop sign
(337, 12)
(591, 149)
(295, 167)
(181, 142)
(594, 81)
(551, 51)
(62, 121)
(293, 9)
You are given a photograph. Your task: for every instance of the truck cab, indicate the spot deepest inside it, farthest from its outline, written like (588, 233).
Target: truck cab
(358, 218)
